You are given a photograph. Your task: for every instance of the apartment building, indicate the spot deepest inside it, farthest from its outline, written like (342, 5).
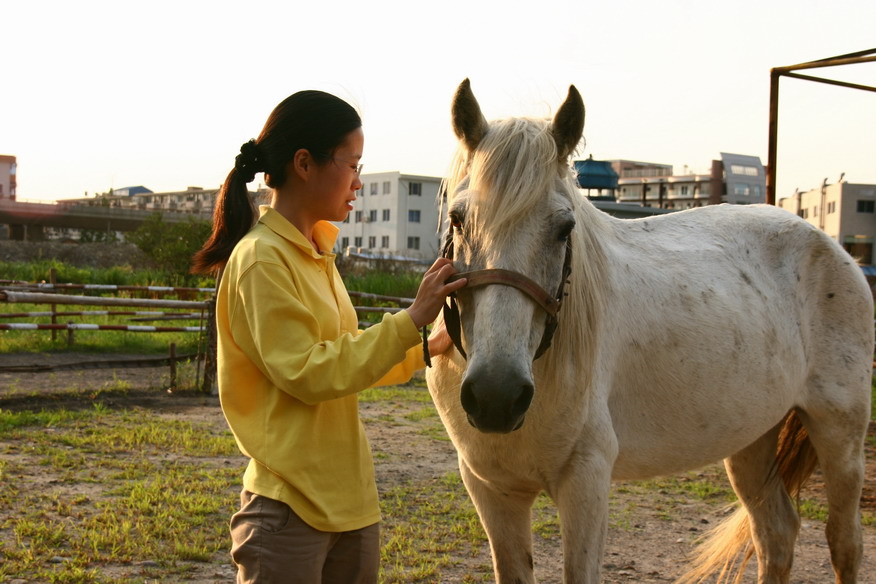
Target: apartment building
(845, 211)
(8, 169)
(394, 215)
(197, 201)
(736, 178)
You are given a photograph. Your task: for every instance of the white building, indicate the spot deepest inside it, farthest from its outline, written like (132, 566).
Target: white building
(394, 215)
(846, 212)
(736, 178)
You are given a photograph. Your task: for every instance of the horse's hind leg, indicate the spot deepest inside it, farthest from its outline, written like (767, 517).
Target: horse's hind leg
(506, 518)
(774, 522)
(840, 444)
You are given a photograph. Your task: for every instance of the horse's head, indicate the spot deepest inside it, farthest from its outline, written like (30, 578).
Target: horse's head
(511, 204)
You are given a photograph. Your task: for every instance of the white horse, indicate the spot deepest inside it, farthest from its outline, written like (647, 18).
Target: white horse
(727, 332)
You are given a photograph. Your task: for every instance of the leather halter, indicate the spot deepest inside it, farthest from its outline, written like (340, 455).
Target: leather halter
(549, 303)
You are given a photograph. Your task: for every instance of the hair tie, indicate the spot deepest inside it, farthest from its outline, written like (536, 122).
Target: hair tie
(249, 161)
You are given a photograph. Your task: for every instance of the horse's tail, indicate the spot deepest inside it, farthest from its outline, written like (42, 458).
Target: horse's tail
(727, 549)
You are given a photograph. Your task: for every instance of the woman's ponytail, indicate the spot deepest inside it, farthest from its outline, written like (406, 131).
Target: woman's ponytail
(234, 213)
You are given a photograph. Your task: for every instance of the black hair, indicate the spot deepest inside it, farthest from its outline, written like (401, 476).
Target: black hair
(313, 120)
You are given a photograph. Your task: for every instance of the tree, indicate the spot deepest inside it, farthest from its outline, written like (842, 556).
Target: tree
(171, 245)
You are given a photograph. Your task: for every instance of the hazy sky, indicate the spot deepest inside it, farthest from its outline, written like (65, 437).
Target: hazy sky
(101, 94)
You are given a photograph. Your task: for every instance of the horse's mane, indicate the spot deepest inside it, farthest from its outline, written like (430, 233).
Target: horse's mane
(518, 158)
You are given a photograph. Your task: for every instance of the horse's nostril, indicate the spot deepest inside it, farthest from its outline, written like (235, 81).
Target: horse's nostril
(524, 400)
(469, 401)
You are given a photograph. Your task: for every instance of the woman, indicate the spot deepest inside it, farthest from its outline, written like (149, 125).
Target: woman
(291, 359)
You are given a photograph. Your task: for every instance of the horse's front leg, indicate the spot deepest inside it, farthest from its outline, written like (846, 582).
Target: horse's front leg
(505, 515)
(581, 495)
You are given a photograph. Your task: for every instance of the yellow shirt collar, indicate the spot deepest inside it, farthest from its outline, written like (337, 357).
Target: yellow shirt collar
(324, 232)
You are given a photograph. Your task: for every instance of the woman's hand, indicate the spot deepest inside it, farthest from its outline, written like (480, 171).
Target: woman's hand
(432, 292)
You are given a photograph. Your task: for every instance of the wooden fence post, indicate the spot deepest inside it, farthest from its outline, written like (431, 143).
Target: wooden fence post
(172, 366)
(210, 382)
(53, 276)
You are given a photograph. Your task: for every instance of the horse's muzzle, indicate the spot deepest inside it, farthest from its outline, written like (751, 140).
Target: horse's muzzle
(495, 407)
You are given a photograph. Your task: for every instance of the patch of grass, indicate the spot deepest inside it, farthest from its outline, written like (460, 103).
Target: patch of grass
(119, 487)
(424, 527)
(40, 270)
(396, 393)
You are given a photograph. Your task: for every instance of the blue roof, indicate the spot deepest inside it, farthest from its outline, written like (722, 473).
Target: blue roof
(595, 174)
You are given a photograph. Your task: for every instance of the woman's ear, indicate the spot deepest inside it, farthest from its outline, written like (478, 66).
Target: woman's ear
(302, 163)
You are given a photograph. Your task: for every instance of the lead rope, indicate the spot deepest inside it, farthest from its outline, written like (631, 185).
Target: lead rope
(426, 357)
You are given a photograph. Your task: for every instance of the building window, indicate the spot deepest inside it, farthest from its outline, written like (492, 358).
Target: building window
(358, 216)
(345, 242)
(416, 189)
(865, 206)
(860, 247)
(741, 189)
(414, 216)
(413, 243)
(373, 188)
(372, 241)
(831, 207)
(384, 242)
(357, 242)
(386, 214)
(387, 187)
(743, 170)
(372, 215)
(684, 189)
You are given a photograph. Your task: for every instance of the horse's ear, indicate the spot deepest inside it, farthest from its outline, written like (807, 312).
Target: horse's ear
(469, 123)
(568, 124)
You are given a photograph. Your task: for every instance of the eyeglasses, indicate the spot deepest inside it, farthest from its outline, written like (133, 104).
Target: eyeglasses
(356, 167)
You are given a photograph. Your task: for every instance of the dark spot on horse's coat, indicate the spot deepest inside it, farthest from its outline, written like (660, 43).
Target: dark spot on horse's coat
(745, 277)
(831, 295)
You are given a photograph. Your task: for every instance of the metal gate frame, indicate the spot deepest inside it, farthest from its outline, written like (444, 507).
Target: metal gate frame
(777, 73)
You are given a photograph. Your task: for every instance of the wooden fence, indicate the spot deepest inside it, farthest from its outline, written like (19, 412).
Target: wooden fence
(53, 294)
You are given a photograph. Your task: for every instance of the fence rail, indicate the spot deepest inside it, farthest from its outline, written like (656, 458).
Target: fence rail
(17, 292)
(154, 315)
(13, 296)
(119, 288)
(71, 326)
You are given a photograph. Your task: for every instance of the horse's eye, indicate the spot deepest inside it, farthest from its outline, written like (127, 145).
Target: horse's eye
(455, 220)
(566, 231)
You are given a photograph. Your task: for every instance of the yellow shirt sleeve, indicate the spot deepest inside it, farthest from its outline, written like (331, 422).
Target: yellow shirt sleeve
(281, 335)
(403, 371)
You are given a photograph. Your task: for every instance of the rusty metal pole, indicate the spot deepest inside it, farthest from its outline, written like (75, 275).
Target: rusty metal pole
(773, 137)
(776, 73)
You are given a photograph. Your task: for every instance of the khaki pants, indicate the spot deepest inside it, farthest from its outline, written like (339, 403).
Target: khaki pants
(272, 545)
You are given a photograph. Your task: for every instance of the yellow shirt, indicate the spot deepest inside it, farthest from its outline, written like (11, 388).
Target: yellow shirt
(290, 362)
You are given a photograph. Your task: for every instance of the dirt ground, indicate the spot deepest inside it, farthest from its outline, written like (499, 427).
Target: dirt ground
(648, 542)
